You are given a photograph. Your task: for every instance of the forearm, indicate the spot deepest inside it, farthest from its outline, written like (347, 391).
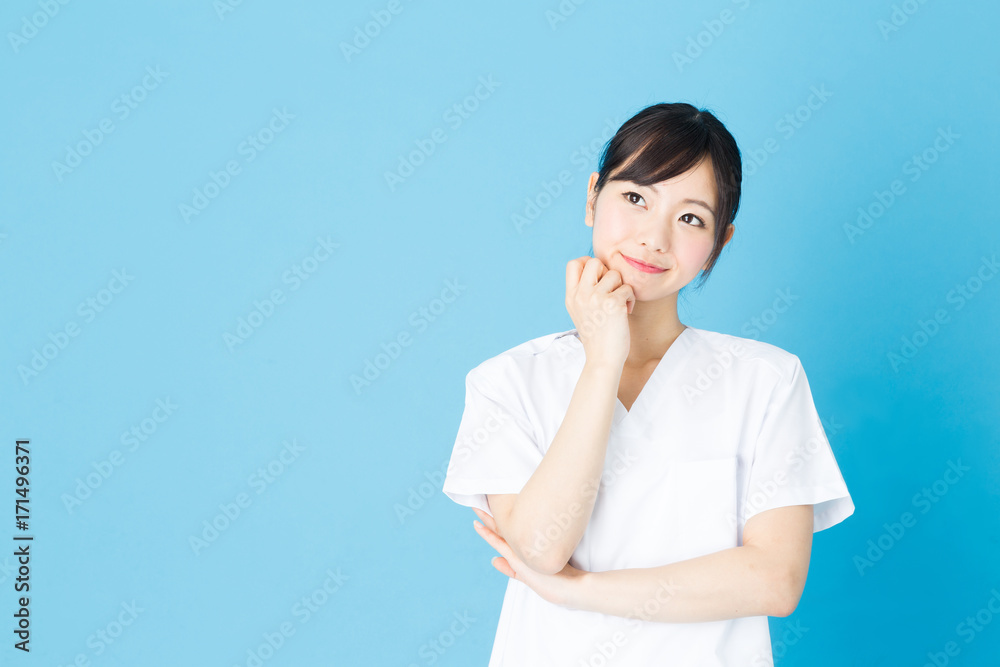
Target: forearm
(735, 582)
(554, 507)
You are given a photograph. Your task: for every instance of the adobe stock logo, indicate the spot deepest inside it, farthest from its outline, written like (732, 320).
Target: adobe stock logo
(122, 107)
(263, 309)
(230, 511)
(381, 18)
(790, 123)
(968, 629)
(103, 469)
(432, 650)
(420, 320)
(252, 146)
(915, 167)
(699, 43)
(30, 28)
(899, 17)
(895, 531)
(720, 364)
(455, 115)
(959, 295)
(105, 636)
(304, 609)
(88, 309)
(548, 191)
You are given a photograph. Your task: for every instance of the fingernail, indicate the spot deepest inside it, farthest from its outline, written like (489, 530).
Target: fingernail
(476, 524)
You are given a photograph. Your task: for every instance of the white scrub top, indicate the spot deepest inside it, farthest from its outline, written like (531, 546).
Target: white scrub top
(724, 428)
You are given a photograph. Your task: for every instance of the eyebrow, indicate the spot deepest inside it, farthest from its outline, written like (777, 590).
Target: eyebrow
(656, 188)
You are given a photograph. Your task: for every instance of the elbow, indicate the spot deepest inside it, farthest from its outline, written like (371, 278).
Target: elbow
(537, 547)
(550, 565)
(784, 607)
(543, 561)
(786, 586)
(537, 553)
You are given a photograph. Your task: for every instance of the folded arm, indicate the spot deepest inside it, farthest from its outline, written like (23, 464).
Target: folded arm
(763, 577)
(545, 522)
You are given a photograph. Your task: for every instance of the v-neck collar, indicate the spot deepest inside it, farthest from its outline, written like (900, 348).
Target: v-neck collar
(621, 415)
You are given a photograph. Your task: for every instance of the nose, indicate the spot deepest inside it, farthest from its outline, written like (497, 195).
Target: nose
(656, 236)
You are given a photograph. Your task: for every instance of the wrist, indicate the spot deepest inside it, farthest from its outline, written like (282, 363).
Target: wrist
(604, 368)
(577, 590)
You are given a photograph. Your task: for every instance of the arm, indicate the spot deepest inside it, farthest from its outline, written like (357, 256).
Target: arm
(764, 577)
(543, 524)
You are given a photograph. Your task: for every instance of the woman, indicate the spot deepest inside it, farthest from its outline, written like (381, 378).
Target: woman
(652, 488)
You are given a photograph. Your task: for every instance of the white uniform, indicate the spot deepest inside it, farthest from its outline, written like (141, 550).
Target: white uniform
(724, 428)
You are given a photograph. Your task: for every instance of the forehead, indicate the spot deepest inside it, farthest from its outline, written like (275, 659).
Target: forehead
(700, 178)
(696, 186)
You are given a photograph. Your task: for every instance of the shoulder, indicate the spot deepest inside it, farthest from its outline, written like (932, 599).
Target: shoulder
(527, 359)
(746, 353)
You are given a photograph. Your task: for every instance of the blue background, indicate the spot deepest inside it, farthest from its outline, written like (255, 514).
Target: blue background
(559, 90)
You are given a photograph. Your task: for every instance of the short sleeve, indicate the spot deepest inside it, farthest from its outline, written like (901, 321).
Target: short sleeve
(793, 463)
(495, 450)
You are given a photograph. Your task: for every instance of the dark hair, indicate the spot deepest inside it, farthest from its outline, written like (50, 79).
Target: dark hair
(665, 140)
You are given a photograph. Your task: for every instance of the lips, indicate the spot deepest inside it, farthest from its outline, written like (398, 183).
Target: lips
(643, 266)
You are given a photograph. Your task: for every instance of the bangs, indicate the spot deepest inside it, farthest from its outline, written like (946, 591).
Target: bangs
(660, 156)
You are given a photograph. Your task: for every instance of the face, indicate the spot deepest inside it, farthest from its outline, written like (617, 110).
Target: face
(662, 225)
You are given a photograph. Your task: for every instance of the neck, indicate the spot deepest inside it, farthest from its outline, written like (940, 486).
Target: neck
(653, 327)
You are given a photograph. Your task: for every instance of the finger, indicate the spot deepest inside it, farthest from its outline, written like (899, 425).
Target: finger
(593, 271)
(487, 520)
(501, 564)
(610, 281)
(487, 531)
(574, 268)
(493, 539)
(626, 294)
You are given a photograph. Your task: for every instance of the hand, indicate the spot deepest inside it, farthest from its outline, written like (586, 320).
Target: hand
(556, 588)
(599, 303)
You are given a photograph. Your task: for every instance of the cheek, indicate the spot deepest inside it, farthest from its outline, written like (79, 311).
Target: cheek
(611, 229)
(696, 252)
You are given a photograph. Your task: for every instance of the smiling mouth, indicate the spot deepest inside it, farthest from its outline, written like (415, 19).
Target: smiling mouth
(642, 266)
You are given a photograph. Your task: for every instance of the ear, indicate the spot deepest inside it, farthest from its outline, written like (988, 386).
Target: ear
(591, 200)
(728, 236)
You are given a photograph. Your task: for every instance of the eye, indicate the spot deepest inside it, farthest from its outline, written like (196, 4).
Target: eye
(628, 194)
(701, 223)
(629, 199)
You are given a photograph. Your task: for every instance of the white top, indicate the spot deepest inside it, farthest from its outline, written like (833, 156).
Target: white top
(724, 428)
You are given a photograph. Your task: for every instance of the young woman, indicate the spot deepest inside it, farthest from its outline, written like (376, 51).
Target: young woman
(652, 488)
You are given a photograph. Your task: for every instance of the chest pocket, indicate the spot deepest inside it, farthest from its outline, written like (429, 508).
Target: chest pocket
(701, 498)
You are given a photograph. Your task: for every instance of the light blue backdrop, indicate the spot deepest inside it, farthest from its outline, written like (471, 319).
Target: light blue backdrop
(216, 217)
